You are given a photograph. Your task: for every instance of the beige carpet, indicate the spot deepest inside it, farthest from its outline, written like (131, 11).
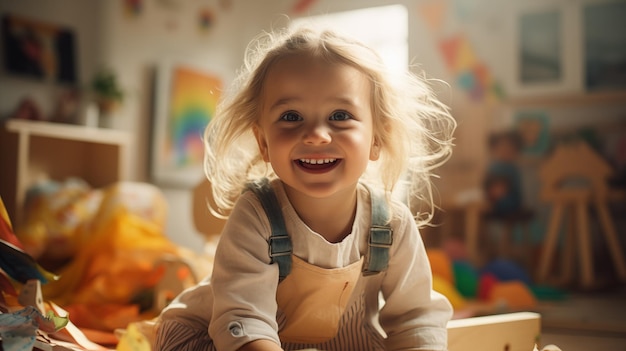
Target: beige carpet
(587, 312)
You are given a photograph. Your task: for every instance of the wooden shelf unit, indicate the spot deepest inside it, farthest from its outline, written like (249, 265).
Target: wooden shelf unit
(34, 150)
(571, 100)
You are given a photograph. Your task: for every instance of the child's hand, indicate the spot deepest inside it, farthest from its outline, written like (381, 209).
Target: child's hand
(261, 345)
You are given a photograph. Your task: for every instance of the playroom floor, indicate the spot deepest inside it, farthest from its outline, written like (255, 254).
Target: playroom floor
(586, 321)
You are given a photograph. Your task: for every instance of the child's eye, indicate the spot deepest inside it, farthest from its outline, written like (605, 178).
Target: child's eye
(340, 116)
(290, 116)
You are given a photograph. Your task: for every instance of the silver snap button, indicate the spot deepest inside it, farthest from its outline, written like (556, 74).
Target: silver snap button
(236, 329)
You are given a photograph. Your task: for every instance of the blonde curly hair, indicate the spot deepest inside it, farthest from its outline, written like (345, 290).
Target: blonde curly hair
(413, 128)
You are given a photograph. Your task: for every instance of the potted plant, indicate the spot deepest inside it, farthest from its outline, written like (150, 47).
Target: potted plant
(107, 92)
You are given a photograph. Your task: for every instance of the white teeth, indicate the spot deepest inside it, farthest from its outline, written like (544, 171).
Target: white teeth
(318, 161)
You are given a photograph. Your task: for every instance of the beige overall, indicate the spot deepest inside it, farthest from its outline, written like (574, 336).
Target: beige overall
(323, 296)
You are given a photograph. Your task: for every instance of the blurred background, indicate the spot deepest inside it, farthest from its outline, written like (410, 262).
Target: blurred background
(547, 67)
(97, 92)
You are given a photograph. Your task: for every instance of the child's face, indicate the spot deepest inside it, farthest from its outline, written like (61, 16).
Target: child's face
(315, 125)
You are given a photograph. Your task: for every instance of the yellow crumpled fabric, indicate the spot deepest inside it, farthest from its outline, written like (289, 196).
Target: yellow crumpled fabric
(117, 250)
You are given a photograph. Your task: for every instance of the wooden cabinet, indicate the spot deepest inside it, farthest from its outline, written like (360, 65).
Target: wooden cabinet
(34, 150)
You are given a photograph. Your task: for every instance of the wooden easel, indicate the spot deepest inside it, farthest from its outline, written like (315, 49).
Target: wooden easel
(577, 161)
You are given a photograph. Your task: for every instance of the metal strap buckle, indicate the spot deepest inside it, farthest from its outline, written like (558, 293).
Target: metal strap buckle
(378, 234)
(282, 241)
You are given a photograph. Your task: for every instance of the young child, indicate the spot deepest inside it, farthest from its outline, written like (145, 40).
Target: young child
(318, 115)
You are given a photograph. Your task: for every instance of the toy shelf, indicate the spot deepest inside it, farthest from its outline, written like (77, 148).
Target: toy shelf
(34, 150)
(571, 100)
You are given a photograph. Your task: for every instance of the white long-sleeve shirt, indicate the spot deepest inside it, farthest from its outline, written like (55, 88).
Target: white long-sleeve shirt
(240, 306)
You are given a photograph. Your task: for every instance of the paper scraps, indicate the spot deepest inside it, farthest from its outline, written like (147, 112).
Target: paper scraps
(20, 329)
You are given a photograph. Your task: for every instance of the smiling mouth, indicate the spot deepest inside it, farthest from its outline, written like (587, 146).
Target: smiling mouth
(321, 164)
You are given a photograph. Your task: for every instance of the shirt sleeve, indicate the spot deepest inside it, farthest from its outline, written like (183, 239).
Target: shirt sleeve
(244, 282)
(414, 316)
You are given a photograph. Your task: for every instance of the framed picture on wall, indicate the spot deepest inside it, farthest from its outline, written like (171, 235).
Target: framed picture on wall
(534, 128)
(185, 101)
(605, 46)
(540, 47)
(38, 50)
(543, 50)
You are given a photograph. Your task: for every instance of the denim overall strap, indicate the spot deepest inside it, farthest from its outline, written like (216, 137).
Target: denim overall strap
(279, 242)
(380, 238)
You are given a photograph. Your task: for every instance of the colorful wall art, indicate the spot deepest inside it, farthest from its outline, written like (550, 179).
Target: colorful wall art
(38, 50)
(186, 100)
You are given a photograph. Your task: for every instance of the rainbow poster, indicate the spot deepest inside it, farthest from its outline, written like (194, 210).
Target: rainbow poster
(187, 103)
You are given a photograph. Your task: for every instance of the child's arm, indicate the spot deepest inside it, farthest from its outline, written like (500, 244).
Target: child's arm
(243, 280)
(414, 316)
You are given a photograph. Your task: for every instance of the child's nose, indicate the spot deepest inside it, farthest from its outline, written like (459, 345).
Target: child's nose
(317, 134)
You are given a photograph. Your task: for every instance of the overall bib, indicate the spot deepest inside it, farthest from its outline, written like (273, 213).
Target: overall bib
(323, 294)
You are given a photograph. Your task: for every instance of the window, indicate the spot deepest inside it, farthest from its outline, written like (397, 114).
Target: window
(385, 29)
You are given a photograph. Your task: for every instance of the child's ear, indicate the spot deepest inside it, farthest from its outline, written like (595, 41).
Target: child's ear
(375, 150)
(261, 141)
